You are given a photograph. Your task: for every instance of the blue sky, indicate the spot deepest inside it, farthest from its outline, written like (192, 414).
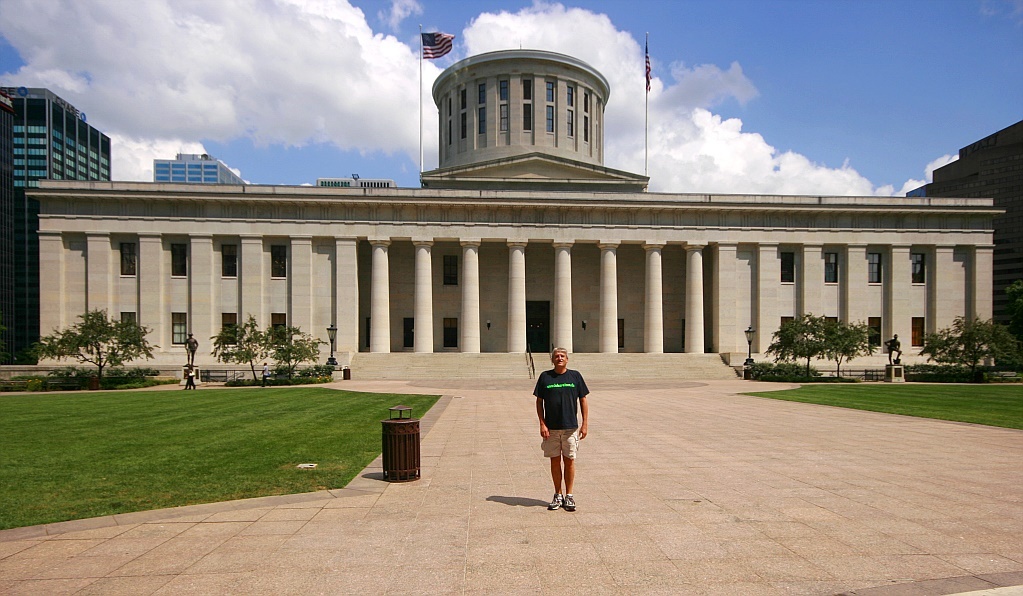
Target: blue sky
(850, 97)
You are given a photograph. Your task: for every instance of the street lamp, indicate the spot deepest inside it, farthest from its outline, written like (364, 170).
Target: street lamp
(332, 335)
(749, 342)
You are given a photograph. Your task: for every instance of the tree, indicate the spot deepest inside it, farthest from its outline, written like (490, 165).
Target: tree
(845, 341)
(241, 344)
(968, 342)
(1014, 308)
(799, 339)
(97, 340)
(290, 347)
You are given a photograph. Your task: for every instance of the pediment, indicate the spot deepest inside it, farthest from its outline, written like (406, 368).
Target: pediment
(534, 171)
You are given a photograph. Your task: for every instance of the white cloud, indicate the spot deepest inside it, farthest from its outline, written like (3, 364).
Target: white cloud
(298, 72)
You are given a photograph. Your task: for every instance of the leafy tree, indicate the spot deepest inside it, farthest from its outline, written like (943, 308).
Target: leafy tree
(1015, 308)
(799, 339)
(845, 341)
(97, 340)
(969, 342)
(290, 346)
(242, 344)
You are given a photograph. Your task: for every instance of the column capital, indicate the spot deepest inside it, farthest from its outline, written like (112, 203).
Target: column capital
(813, 245)
(201, 237)
(763, 245)
(49, 234)
(693, 247)
(563, 244)
(94, 234)
(380, 241)
(475, 242)
(149, 235)
(653, 245)
(302, 239)
(608, 245)
(517, 243)
(427, 242)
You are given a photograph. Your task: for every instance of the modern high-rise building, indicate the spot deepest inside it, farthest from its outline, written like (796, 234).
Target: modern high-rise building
(191, 168)
(6, 217)
(991, 167)
(51, 140)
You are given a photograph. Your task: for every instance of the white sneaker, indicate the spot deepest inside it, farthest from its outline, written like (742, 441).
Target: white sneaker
(556, 502)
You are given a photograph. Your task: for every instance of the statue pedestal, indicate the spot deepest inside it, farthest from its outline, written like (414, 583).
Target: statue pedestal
(894, 373)
(184, 376)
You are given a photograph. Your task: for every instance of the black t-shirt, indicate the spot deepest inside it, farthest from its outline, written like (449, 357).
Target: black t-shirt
(560, 395)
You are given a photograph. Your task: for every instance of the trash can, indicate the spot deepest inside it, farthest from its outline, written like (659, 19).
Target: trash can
(400, 442)
(346, 374)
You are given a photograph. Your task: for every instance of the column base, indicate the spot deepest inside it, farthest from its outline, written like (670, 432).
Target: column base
(894, 373)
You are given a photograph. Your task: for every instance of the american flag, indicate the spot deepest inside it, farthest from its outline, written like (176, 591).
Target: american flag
(648, 66)
(436, 45)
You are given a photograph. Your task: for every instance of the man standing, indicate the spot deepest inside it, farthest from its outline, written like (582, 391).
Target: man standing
(266, 373)
(560, 393)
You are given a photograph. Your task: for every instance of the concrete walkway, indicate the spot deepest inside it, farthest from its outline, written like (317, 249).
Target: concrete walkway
(682, 488)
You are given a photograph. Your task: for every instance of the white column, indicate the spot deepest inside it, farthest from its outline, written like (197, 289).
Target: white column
(516, 297)
(724, 332)
(300, 275)
(52, 312)
(609, 297)
(201, 316)
(252, 280)
(694, 299)
(346, 294)
(470, 323)
(563, 295)
(855, 305)
(98, 273)
(941, 293)
(766, 308)
(653, 305)
(980, 284)
(380, 299)
(812, 280)
(423, 312)
(897, 285)
(152, 313)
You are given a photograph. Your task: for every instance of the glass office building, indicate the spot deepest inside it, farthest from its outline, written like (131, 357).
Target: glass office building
(6, 217)
(194, 169)
(51, 139)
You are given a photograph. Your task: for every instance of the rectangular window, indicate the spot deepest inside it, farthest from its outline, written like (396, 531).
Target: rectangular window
(919, 269)
(278, 260)
(450, 333)
(570, 123)
(874, 267)
(461, 99)
(481, 121)
(278, 321)
(129, 317)
(570, 96)
(550, 118)
(228, 320)
(504, 117)
(586, 129)
(482, 94)
(527, 90)
(621, 334)
(462, 125)
(449, 131)
(550, 91)
(788, 267)
(229, 260)
(831, 267)
(586, 102)
(918, 332)
(874, 331)
(128, 258)
(527, 117)
(786, 320)
(502, 87)
(179, 328)
(179, 260)
(408, 327)
(450, 270)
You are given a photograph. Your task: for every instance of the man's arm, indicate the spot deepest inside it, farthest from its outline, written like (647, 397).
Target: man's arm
(544, 431)
(584, 407)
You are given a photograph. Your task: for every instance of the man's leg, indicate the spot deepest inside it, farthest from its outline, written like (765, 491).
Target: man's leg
(556, 473)
(569, 475)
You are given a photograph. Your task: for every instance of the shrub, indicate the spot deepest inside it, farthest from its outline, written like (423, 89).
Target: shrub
(319, 370)
(35, 385)
(786, 372)
(939, 373)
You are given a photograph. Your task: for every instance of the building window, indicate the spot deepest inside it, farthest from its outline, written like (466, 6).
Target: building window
(278, 321)
(461, 99)
(570, 96)
(586, 129)
(874, 331)
(129, 317)
(481, 119)
(874, 267)
(527, 117)
(550, 91)
(450, 270)
(179, 260)
(408, 335)
(229, 260)
(831, 267)
(504, 117)
(621, 334)
(570, 122)
(179, 328)
(786, 320)
(918, 332)
(128, 258)
(502, 87)
(228, 320)
(450, 333)
(550, 118)
(462, 125)
(482, 94)
(919, 269)
(527, 90)
(278, 260)
(788, 267)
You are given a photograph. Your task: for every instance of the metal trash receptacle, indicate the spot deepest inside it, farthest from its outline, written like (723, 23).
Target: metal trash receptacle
(400, 445)
(346, 374)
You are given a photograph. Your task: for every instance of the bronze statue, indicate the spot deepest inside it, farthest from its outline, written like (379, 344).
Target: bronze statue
(894, 347)
(192, 345)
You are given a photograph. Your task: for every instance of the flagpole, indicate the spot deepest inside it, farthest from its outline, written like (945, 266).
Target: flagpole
(646, 110)
(420, 99)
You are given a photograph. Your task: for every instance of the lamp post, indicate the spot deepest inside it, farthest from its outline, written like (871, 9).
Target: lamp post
(332, 335)
(749, 354)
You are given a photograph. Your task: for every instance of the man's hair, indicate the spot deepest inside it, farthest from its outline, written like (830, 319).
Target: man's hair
(556, 350)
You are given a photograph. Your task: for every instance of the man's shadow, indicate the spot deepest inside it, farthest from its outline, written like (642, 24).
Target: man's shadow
(517, 501)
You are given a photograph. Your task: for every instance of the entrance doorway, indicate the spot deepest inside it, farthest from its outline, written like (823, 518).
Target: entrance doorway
(538, 326)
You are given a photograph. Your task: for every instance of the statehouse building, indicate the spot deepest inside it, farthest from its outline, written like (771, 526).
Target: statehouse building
(521, 239)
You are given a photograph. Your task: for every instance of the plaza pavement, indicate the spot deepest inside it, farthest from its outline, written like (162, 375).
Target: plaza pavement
(682, 487)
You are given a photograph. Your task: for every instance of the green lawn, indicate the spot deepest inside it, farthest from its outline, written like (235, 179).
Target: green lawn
(83, 455)
(994, 405)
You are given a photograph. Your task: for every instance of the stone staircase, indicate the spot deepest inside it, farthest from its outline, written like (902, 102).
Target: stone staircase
(410, 366)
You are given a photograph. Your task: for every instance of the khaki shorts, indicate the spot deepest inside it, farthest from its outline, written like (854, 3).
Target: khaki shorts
(561, 443)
